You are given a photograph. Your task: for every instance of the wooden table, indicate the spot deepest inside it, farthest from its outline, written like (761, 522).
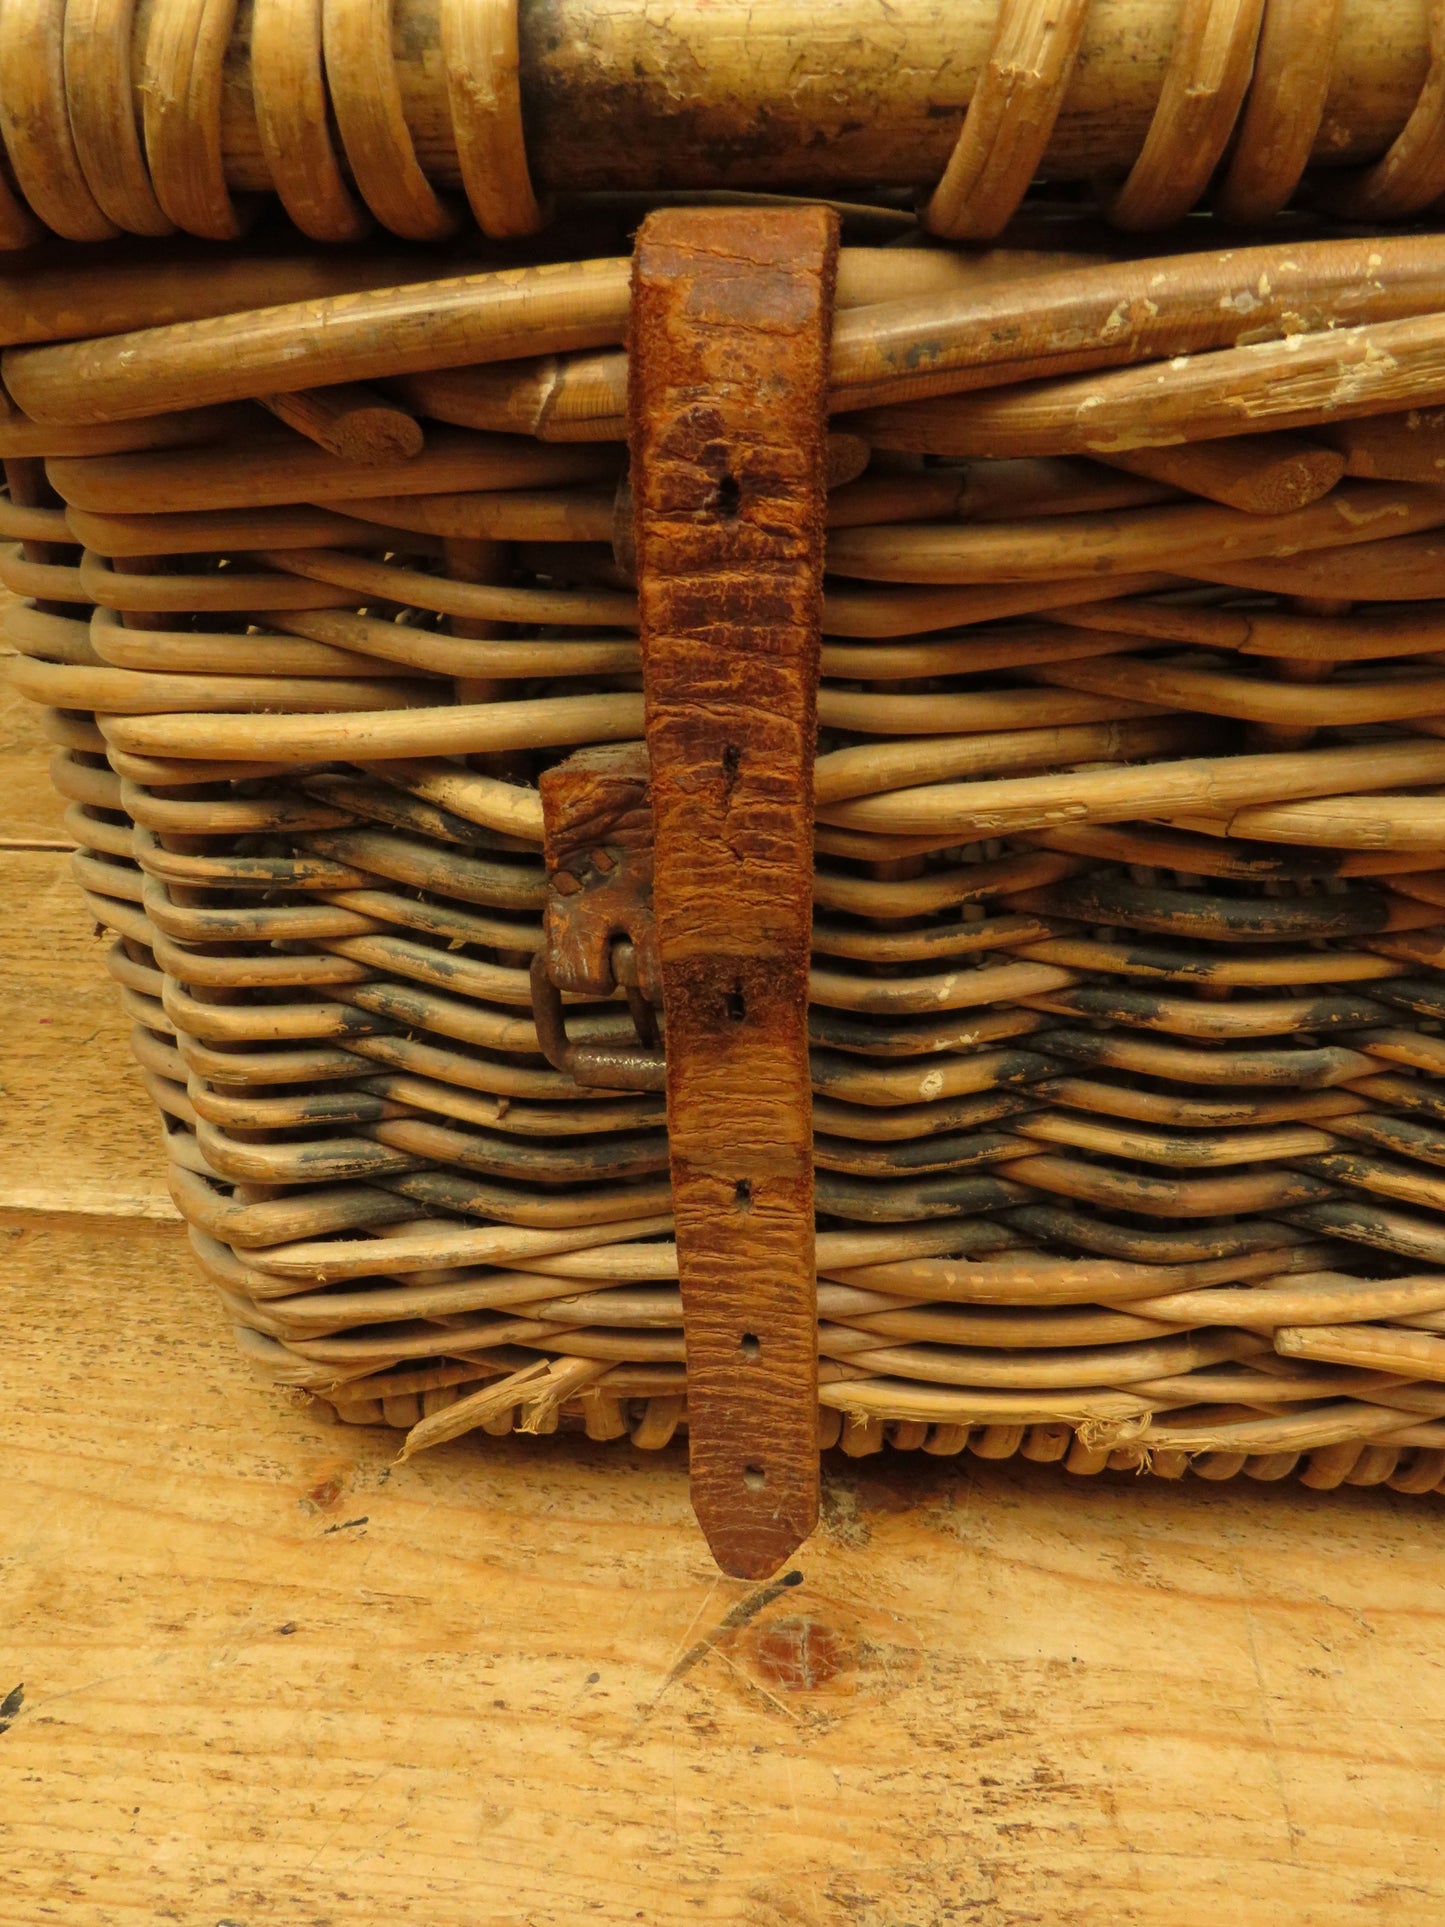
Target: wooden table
(263, 1678)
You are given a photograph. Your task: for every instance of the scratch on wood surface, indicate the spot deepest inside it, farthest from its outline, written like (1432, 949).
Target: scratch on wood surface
(732, 1621)
(737, 1616)
(1266, 1714)
(103, 1202)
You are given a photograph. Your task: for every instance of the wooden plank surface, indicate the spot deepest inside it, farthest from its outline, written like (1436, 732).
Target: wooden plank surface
(271, 1678)
(77, 1131)
(31, 810)
(253, 1673)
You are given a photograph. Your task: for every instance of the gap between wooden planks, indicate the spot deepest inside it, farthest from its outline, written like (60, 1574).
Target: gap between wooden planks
(252, 1673)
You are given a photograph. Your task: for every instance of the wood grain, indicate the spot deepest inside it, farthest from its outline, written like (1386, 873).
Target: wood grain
(269, 1678)
(78, 1133)
(30, 810)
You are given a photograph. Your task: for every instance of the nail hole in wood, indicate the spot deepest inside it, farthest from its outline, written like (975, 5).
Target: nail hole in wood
(729, 494)
(743, 1194)
(754, 1478)
(731, 757)
(737, 1007)
(751, 1346)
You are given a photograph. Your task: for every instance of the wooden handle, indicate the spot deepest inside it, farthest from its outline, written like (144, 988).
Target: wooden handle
(730, 329)
(816, 99)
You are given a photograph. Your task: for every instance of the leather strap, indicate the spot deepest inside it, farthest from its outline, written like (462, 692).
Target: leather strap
(731, 316)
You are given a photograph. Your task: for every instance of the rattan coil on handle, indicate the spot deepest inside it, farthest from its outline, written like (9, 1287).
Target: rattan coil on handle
(185, 50)
(1411, 174)
(1009, 119)
(18, 226)
(1293, 66)
(367, 100)
(479, 47)
(100, 101)
(1209, 71)
(36, 123)
(1185, 82)
(288, 86)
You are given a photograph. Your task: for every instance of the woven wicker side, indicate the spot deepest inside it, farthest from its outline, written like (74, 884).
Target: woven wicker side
(1127, 1100)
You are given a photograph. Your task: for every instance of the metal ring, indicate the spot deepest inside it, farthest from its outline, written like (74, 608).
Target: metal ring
(608, 1066)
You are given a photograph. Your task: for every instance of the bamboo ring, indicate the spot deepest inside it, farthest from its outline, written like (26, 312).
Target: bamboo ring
(1209, 70)
(1411, 173)
(480, 53)
(366, 97)
(185, 50)
(1292, 69)
(99, 93)
(35, 120)
(1009, 120)
(288, 86)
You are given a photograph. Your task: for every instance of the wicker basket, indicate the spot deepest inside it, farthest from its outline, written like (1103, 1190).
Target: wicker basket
(1128, 1093)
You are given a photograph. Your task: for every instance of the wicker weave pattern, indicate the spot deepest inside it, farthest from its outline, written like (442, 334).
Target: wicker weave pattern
(1128, 922)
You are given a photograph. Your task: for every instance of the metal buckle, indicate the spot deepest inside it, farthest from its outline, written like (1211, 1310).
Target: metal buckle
(606, 1066)
(598, 931)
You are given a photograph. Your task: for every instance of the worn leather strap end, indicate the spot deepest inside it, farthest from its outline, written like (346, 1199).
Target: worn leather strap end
(731, 318)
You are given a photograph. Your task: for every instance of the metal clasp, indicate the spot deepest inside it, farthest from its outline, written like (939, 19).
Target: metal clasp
(598, 931)
(612, 1067)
